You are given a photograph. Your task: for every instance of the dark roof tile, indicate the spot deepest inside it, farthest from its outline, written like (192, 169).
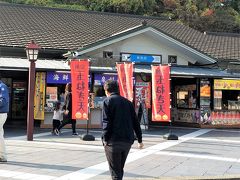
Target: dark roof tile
(69, 29)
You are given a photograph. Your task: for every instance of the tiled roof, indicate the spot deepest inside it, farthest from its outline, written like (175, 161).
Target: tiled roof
(68, 29)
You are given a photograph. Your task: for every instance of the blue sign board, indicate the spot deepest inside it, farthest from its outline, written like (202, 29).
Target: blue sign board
(99, 79)
(61, 78)
(58, 78)
(142, 58)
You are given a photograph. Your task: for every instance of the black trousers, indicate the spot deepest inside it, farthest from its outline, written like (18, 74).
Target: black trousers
(56, 123)
(68, 121)
(116, 154)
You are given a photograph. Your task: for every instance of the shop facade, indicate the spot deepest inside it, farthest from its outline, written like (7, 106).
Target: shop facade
(210, 101)
(200, 100)
(196, 100)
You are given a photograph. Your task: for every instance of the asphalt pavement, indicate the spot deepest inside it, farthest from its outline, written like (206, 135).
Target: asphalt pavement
(198, 154)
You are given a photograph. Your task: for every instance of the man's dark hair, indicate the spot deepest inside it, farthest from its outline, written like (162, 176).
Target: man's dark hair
(111, 86)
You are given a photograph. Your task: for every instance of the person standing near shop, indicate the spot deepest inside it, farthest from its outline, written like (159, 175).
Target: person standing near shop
(4, 109)
(67, 115)
(119, 124)
(57, 118)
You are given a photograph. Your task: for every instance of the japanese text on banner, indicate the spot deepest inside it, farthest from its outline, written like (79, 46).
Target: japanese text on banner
(39, 96)
(79, 75)
(161, 93)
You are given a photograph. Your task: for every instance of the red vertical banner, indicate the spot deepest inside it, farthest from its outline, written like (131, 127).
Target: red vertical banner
(79, 75)
(161, 93)
(125, 80)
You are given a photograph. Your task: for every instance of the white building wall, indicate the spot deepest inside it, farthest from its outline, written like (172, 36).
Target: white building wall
(142, 44)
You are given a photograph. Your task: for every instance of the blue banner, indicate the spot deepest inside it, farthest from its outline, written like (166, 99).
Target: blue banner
(99, 79)
(58, 78)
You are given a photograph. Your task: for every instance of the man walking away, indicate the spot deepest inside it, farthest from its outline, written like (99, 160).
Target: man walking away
(4, 109)
(119, 124)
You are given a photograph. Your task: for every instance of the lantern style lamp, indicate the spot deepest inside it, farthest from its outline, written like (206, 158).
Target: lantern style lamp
(32, 51)
(32, 55)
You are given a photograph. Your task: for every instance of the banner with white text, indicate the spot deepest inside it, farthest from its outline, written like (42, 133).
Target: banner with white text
(161, 93)
(79, 75)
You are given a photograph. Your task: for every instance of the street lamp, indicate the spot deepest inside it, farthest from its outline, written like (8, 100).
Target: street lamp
(32, 55)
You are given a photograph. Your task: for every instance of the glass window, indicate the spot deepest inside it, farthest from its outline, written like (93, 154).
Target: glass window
(186, 96)
(182, 99)
(226, 100)
(186, 99)
(172, 59)
(230, 99)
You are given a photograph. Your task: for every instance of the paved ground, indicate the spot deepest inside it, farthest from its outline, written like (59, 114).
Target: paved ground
(198, 154)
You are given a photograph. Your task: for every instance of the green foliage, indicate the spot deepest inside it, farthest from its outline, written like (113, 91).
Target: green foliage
(223, 20)
(226, 20)
(39, 2)
(121, 6)
(203, 15)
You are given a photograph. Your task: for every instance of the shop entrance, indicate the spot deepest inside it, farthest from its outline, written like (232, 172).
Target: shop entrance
(19, 100)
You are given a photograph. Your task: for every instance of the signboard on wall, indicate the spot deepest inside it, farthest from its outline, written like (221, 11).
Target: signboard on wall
(226, 84)
(205, 94)
(51, 98)
(205, 88)
(141, 58)
(99, 79)
(58, 77)
(143, 94)
(39, 97)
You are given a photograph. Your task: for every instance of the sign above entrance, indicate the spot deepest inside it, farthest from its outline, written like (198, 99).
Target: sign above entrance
(142, 58)
(225, 84)
(58, 77)
(99, 79)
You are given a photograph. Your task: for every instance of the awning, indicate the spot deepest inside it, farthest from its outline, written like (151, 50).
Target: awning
(19, 64)
(61, 65)
(202, 72)
(179, 71)
(23, 64)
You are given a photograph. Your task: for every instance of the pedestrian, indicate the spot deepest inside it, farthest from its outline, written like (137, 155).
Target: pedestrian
(67, 115)
(4, 109)
(119, 124)
(57, 118)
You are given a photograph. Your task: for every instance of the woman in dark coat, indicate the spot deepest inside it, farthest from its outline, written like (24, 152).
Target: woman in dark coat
(67, 116)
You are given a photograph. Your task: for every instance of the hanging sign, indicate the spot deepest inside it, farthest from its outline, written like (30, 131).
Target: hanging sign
(143, 94)
(226, 84)
(79, 75)
(39, 95)
(125, 80)
(161, 93)
(141, 58)
(58, 77)
(99, 79)
(205, 90)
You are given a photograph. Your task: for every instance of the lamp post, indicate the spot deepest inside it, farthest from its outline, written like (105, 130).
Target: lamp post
(32, 55)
